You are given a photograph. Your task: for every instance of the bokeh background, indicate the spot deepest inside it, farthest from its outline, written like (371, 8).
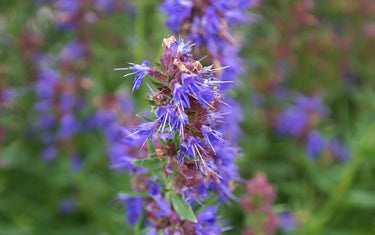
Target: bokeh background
(303, 58)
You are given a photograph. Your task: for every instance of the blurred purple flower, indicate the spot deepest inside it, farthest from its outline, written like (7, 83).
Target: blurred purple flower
(69, 126)
(67, 206)
(288, 221)
(338, 150)
(178, 10)
(75, 162)
(49, 154)
(73, 50)
(315, 144)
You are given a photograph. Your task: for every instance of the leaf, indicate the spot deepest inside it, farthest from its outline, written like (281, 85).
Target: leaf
(151, 102)
(150, 163)
(158, 173)
(134, 194)
(159, 84)
(144, 118)
(159, 66)
(163, 142)
(170, 179)
(11, 152)
(183, 209)
(150, 146)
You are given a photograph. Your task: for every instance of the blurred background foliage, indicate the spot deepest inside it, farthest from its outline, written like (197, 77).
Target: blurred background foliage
(307, 47)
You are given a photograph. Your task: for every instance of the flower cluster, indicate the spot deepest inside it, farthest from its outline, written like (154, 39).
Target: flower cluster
(61, 97)
(300, 120)
(61, 89)
(61, 83)
(208, 24)
(258, 201)
(183, 141)
(72, 14)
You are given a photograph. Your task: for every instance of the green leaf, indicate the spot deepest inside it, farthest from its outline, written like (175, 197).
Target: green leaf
(170, 179)
(159, 84)
(150, 163)
(150, 146)
(163, 142)
(135, 194)
(158, 173)
(151, 102)
(144, 118)
(211, 200)
(183, 209)
(159, 66)
(12, 151)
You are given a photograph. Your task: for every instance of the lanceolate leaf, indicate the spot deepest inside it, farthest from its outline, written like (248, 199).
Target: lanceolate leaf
(183, 209)
(150, 146)
(144, 118)
(150, 163)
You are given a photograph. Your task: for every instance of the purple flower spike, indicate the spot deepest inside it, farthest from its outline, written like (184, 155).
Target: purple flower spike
(188, 129)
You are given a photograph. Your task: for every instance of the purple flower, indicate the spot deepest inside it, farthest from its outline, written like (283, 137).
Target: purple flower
(178, 10)
(67, 206)
(180, 94)
(145, 130)
(67, 102)
(71, 6)
(46, 121)
(73, 50)
(315, 144)
(195, 148)
(292, 121)
(288, 221)
(141, 71)
(49, 154)
(207, 222)
(134, 207)
(69, 126)
(295, 120)
(8, 95)
(155, 193)
(212, 136)
(106, 5)
(47, 81)
(312, 104)
(338, 151)
(75, 162)
(199, 90)
(183, 152)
